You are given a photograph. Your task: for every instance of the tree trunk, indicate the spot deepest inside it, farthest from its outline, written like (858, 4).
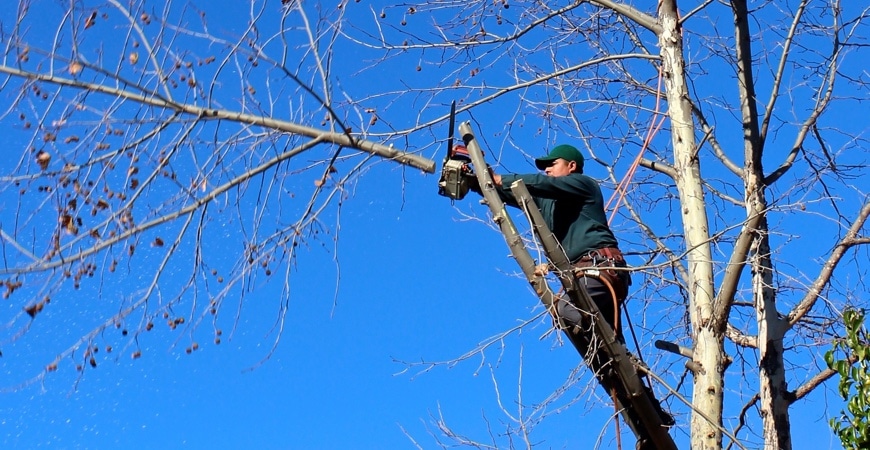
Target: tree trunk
(773, 390)
(708, 338)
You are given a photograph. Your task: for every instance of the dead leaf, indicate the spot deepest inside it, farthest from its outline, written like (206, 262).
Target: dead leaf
(75, 68)
(43, 158)
(91, 20)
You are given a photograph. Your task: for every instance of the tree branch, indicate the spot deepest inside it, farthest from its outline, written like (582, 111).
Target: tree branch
(738, 337)
(343, 139)
(645, 20)
(728, 286)
(821, 105)
(43, 265)
(851, 239)
(814, 382)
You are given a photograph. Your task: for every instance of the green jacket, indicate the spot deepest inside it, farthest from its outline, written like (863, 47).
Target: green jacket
(572, 206)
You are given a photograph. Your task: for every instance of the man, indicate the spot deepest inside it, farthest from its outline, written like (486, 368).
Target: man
(573, 208)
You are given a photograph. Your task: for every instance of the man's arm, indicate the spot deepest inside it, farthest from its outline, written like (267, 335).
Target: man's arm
(505, 194)
(543, 186)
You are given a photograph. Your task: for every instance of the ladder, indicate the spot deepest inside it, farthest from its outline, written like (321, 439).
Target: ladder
(597, 343)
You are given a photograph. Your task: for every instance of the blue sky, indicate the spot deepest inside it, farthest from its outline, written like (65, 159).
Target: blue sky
(335, 380)
(413, 280)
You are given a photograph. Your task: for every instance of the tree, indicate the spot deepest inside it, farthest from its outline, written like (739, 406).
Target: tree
(661, 90)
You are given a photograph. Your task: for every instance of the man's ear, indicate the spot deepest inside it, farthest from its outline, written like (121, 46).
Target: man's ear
(572, 166)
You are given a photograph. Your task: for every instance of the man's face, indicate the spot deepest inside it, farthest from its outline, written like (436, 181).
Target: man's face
(560, 168)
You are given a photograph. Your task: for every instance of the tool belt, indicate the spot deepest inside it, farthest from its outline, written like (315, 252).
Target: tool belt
(595, 262)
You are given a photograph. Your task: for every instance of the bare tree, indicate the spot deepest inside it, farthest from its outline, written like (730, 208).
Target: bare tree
(144, 125)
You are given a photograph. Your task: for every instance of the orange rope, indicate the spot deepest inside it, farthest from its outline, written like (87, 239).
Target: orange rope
(609, 285)
(616, 419)
(622, 188)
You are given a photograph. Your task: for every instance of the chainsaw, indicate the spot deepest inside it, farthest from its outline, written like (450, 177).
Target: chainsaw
(456, 169)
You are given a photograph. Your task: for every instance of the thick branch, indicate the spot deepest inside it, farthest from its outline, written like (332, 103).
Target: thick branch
(739, 338)
(753, 145)
(812, 383)
(728, 286)
(645, 20)
(660, 167)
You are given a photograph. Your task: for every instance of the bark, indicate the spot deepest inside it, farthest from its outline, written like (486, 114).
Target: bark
(708, 338)
(773, 389)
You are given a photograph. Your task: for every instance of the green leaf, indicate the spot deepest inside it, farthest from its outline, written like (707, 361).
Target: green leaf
(829, 359)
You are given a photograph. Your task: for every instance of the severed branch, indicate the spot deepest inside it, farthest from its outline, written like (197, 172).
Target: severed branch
(738, 337)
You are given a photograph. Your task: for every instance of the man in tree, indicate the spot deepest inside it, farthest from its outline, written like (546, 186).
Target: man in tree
(573, 208)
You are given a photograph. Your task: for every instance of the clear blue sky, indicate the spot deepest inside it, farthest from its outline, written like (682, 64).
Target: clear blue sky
(416, 282)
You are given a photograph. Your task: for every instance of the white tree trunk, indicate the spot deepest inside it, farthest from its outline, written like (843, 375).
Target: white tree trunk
(709, 343)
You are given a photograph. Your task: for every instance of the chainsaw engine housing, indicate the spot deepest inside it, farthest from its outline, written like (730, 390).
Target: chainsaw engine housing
(453, 182)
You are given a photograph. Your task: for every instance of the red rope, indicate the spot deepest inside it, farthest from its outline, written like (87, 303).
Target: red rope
(655, 125)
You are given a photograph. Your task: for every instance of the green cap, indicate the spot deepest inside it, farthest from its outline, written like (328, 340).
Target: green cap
(564, 151)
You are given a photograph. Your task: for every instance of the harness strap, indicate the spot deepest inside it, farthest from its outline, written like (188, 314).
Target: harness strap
(606, 253)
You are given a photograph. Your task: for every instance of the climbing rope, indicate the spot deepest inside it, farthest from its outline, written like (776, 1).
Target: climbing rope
(656, 123)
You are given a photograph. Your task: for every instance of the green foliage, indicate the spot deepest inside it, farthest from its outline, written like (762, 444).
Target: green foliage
(853, 424)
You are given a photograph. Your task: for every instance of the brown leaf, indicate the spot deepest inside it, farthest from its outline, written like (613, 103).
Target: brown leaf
(43, 159)
(75, 67)
(91, 20)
